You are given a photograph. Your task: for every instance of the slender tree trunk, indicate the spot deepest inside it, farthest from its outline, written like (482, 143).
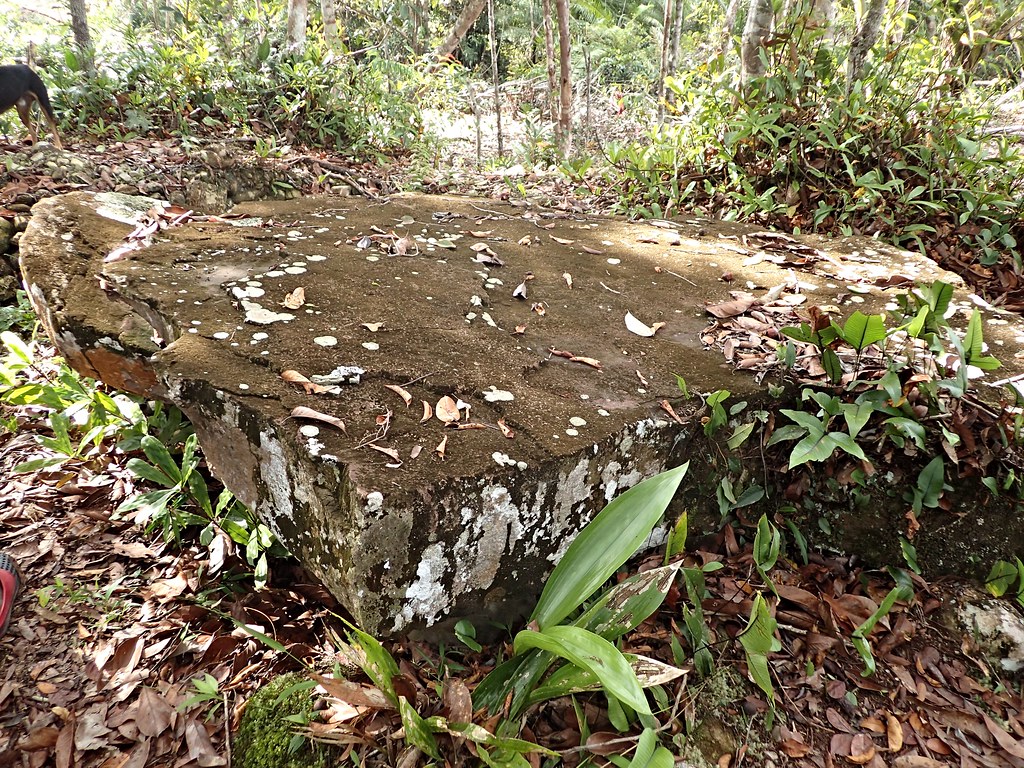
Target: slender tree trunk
(494, 76)
(565, 91)
(330, 16)
(728, 24)
(755, 33)
(899, 20)
(295, 36)
(470, 13)
(666, 44)
(677, 34)
(80, 30)
(863, 41)
(549, 58)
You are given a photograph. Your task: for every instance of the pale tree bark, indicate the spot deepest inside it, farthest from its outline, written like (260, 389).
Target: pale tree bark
(470, 13)
(330, 16)
(755, 34)
(898, 22)
(549, 58)
(666, 44)
(728, 24)
(80, 30)
(298, 15)
(492, 38)
(565, 91)
(863, 41)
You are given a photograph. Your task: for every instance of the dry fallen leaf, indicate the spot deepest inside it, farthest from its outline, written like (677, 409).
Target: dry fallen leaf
(592, 251)
(446, 410)
(480, 247)
(400, 392)
(294, 377)
(592, 362)
(416, 450)
(519, 331)
(561, 240)
(640, 328)
(372, 327)
(391, 453)
(481, 233)
(427, 412)
(302, 412)
(505, 429)
(526, 241)
(568, 279)
(441, 447)
(862, 749)
(471, 425)
(894, 733)
(295, 299)
(520, 292)
(539, 308)
(666, 406)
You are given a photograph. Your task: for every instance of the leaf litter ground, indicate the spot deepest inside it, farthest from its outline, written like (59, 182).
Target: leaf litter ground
(113, 627)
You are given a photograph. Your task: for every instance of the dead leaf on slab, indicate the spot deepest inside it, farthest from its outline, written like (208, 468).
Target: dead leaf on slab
(447, 410)
(640, 328)
(481, 248)
(894, 733)
(302, 412)
(519, 331)
(154, 714)
(481, 233)
(441, 448)
(505, 429)
(294, 377)
(427, 412)
(568, 279)
(416, 451)
(525, 241)
(391, 453)
(372, 327)
(539, 308)
(561, 240)
(592, 251)
(737, 306)
(666, 406)
(520, 292)
(592, 362)
(862, 749)
(295, 299)
(401, 393)
(469, 425)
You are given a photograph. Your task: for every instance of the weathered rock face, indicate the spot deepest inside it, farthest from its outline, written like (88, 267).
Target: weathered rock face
(428, 534)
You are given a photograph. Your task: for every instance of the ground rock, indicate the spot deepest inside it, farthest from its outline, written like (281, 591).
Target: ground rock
(410, 292)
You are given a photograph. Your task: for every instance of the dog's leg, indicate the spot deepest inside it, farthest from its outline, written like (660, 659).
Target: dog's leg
(24, 105)
(53, 128)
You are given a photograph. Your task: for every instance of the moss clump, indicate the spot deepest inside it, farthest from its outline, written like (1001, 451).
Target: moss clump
(265, 736)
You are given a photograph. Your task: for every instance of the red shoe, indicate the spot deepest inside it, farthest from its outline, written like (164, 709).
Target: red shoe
(10, 583)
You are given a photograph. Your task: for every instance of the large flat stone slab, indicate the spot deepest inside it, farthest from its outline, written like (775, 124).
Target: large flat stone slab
(410, 291)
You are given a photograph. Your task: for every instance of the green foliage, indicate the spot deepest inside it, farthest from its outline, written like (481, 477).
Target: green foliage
(897, 157)
(1007, 578)
(902, 592)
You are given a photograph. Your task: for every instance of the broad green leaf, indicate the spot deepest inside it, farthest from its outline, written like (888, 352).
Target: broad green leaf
(847, 443)
(758, 640)
(417, 730)
(973, 338)
(815, 447)
(739, 435)
(157, 453)
(649, 753)
(930, 482)
(147, 471)
(1000, 578)
(378, 664)
(788, 432)
(767, 544)
(480, 735)
(17, 347)
(607, 542)
(916, 326)
(593, 653)
(626, 605)
(856, 416)
(36, 465)
(570, 679)
(677, 537)
(804, 419)
(861, 331)
(832, 364)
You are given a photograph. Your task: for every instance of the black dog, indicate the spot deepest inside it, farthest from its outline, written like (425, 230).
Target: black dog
(19, 87)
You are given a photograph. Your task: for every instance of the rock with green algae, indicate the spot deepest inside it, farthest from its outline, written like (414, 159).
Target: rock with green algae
(265, 737)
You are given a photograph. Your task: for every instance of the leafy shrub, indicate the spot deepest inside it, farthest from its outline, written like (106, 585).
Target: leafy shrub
(902, 156)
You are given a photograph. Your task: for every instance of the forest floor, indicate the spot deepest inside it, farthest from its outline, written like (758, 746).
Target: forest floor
(128, 651)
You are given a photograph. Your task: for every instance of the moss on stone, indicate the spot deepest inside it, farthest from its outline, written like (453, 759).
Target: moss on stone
(265, 735)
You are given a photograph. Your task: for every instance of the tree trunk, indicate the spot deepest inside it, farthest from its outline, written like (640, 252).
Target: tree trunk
(295, 37)
(755, 33)
(470, 13)
(330, 17)
(677, 34)
(494, 76)
(666, 44)
(863, 40)
(899, 20)
(549, 58)
(728, 24)
(80, 30)
(565, 92)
